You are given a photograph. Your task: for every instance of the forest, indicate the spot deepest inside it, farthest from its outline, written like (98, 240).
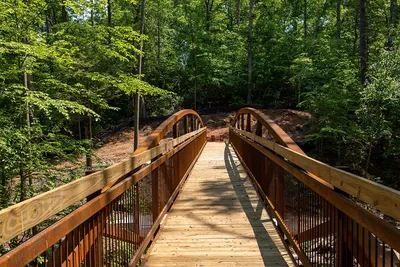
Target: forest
(71, 68)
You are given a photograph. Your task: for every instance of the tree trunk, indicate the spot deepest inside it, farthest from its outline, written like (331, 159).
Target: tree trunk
(355, 42)
(338, 18)
(92, 14)
(64, 14)
(109, 20)
(363, 41)
(305, 18)
(137, 95)
(318, 19)
(250, 53)
(209, 6)
(22, 195)
(195, 79)
(195, 67)
(393, 13)
(27, 85)
(238, 13)
(109, 14)
(89, 136)
(160, 83)
(392, 22)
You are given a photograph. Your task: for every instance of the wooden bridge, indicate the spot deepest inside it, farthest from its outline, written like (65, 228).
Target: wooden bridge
(255, 199)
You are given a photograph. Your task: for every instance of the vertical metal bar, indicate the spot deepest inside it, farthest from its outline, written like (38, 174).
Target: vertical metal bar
(376, 251)
(108, 240)
(383, 253)
(369, 247)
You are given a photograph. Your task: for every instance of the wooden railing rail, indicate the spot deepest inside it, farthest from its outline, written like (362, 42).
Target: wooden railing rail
(323, 226)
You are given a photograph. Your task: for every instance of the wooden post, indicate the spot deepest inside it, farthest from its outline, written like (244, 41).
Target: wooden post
(175, 130)
(186, 125)
(192, 123)
(242, 122)
(259, 129)
(248, 126)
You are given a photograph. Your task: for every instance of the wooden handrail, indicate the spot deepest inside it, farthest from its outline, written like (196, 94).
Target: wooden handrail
(278, 134)
(158, 134)
(29, 213)
(379, 196)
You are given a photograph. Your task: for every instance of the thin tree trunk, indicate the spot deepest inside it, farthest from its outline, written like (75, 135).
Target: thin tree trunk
(368, 157)
(392, 22)
(22, 189)
(89, 136)
(64, 14)
(238, 13)
(137, 95)
(250, 53)
(355, 33)
(79, 129)
(160, 84)
(109, 20)
(109, 14)
(92, 14)
(363, 41)
(209, 6)
(305, 18)
(195, 79)
(27, 85)
(318, 19)
(338, 18)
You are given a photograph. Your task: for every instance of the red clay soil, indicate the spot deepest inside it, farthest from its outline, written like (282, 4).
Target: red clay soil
(291, 121)
(120, 145)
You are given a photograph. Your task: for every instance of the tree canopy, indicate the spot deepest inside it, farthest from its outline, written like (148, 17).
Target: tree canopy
(70, 67)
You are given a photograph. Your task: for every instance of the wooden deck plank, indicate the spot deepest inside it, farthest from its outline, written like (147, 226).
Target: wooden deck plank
(218, 219)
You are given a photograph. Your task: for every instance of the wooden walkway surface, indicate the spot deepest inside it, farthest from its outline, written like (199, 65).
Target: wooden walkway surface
(218, 219)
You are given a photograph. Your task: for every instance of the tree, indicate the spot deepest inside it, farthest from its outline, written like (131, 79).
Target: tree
(250, 53)
(139, 70)
(363, 41)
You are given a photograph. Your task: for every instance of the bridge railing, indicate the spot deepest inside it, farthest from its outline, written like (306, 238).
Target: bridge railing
(313, 203)
(126, 204)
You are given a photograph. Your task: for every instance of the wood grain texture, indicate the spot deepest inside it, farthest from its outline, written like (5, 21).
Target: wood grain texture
(218, 219)
(23, 216)
(379, 196)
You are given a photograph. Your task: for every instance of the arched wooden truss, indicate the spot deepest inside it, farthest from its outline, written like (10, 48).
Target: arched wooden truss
(243, 121)
(182, 122)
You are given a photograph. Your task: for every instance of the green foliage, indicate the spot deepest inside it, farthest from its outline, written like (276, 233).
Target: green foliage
(68, 68)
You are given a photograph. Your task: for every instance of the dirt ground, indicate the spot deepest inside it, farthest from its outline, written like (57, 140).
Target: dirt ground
(291, 121)
(120, 145)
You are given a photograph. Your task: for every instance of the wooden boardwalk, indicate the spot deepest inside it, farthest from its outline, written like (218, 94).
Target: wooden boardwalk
(218, 219)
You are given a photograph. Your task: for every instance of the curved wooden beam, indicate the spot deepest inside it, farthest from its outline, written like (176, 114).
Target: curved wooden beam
(162, 130)
(277, 133)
